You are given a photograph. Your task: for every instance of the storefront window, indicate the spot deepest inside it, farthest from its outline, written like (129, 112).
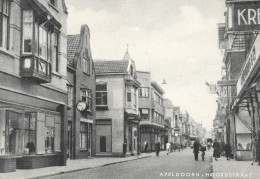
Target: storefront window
(20, 133)
(243, 141)
(49, 140)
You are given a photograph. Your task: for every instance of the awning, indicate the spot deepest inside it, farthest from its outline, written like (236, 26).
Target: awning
(154, 126)
(132, 117)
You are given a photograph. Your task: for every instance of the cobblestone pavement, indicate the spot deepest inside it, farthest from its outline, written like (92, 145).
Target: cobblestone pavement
(224, 168)
(175, 165)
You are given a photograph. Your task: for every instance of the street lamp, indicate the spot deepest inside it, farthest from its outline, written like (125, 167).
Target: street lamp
(164, 82)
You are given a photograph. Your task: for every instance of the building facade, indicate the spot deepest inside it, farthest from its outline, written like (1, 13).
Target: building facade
(33, 91)
(170, 119)
(117, 119)
(81, 95)
(238, 98)
(152, 112)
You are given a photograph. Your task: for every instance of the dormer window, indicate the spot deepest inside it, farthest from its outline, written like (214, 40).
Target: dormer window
(132, 71)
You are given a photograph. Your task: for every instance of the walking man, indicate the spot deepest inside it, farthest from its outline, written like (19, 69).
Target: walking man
(168, 147)
(203, 148)
(157, 148)
(196, 148)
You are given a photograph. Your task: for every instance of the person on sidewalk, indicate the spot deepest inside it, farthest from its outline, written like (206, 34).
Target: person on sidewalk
(168, 147)
(146, 147)
(203, 148)
(222, 147)
(157, 148)
(228, 150)
(216, 151)
(258, 151)
(196, 148)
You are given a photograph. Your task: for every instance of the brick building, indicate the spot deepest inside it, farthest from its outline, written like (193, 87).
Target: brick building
(81, 95)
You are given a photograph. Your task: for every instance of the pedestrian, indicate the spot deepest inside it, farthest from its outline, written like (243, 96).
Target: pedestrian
(258, 151)
(168, 147)
(157, 148)
(228, 150)
(222, 146)
(146, 147)
(181, 146)
(196, 148)
(203, 148)
(216, 151)
(253, 149)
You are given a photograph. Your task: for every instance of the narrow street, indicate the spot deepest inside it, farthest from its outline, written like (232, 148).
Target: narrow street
(176, 165)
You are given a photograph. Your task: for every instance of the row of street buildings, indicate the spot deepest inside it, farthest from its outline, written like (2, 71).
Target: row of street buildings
(237, 116)
(56, 102)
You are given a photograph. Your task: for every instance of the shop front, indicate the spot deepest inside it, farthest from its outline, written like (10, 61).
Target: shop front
(151, 134)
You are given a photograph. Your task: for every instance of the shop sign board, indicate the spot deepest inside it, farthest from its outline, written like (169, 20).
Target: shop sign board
(249, 65)
(246, 16)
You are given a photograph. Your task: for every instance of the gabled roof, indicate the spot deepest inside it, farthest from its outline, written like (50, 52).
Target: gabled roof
(168, 104)
(73, 42)
(111, 66)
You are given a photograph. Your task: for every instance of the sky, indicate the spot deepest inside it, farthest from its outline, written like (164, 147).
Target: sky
(176, 40)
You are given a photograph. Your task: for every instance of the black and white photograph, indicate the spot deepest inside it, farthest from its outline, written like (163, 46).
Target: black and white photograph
(129, 89)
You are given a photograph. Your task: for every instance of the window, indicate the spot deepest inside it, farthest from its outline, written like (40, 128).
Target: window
(101, 94)
(55, 50)
(28, 31)
(134, 96)
(20, 132)
(158, 99)
(40, 38)
(152, 112)
(176, 121)
(4, 23)
(144, 114)
(83, 135)
(129, 97)
(86, 95)
(86, 64)
(70, 95)
(42, 42)
(143, 92)
(49, 139)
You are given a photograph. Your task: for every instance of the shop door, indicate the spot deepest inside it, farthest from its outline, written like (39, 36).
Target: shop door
(103, 144)
(89, 139)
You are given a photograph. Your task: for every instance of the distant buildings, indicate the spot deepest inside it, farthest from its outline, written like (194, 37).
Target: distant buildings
(151, 110)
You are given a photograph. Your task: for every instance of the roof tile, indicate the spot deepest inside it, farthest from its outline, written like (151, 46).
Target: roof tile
(111, 66)
(72, 47)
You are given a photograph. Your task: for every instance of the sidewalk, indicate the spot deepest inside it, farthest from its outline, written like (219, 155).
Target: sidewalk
(224, 168)
(72, 166)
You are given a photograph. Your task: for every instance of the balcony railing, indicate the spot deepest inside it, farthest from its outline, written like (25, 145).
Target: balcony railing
(249, 65)
(36, 68)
